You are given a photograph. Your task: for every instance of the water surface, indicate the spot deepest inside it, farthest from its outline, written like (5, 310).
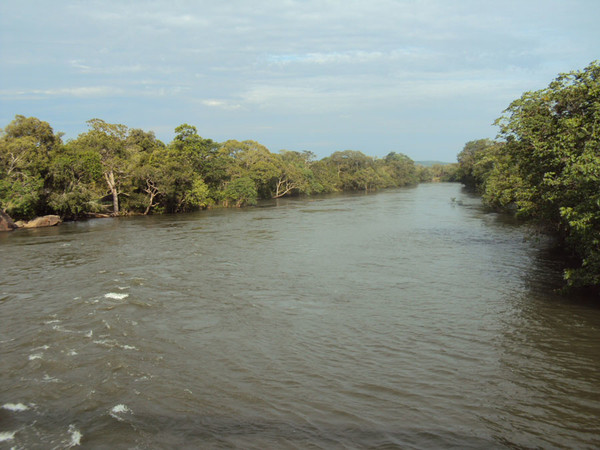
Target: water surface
(408, 318)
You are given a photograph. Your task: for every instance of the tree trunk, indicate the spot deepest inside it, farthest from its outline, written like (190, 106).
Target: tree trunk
(287, 187)
(110, 180)
(150, 204)
(152, 192)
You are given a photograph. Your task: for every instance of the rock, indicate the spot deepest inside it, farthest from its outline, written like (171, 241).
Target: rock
(45, 221)
(6, 223)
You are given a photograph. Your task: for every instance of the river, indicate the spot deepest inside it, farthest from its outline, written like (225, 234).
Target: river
(407, 318)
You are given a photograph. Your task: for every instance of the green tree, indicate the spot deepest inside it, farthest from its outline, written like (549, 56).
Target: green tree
(402, 168)
(241, 191)
(474, 163)
(249, 159)
(200, 153)
(348, 164)
(553, 139)
(548, 167)
(146, 164)
(26, 146)
(294, 174)
(109, 142)
(74, 176)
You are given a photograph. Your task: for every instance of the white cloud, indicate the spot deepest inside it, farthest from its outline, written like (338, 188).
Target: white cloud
(221, 104)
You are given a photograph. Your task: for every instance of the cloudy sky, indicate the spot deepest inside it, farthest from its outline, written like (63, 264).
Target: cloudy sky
(421, 77)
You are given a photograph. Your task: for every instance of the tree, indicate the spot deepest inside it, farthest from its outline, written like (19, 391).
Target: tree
(26, 147)
(241, 191)
(347, 164)
(108, 141)
(146, 165)
(294, 174)
(74, 176)
(553, 138)
(249, 159)
(473, 162)
(200, 153)
(403, 170)
(548, 168)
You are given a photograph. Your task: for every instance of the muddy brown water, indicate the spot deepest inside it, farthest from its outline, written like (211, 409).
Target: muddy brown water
(408, 318)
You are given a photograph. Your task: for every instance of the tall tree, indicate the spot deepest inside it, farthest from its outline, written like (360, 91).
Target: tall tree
(108, 140)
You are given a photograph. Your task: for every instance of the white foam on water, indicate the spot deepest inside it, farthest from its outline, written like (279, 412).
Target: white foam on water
(7, 435)
(64, 330)
(75, 436)
(111, 343)
(119, 409)
(48, 379)
(48, 322)
(72, 353)
(17, 407)
(35, 356)
(116, 296)
(43, 347)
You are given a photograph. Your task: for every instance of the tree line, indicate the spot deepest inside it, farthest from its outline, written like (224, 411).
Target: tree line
(115, 170)
(545, 167)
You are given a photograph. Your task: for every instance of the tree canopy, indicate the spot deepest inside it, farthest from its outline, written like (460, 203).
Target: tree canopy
(117, 170)
(546, 166)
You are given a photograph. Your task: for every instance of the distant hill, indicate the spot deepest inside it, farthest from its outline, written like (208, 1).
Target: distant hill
(432, 163)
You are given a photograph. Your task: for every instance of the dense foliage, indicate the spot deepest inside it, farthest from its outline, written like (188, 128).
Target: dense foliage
(116, 170)
(546, 167)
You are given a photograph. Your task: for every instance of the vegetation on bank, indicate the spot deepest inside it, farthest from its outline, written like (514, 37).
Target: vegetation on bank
(117, 170)
(546, 166)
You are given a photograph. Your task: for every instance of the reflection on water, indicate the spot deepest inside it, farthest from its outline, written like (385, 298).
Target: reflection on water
(398, 319)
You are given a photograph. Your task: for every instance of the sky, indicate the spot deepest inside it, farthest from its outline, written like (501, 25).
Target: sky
(419, 77)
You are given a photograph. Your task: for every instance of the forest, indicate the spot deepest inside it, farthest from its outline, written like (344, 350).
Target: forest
(545, 167)
(112, 169)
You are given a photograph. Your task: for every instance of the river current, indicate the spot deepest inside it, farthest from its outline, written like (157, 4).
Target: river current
(407, 318)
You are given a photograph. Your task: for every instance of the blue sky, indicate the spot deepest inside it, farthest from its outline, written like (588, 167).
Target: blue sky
(421, 77)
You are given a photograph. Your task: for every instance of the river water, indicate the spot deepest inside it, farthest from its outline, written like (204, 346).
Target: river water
(407, 318)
